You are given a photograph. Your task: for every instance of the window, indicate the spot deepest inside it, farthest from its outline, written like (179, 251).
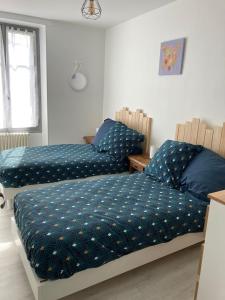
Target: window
(19, 78)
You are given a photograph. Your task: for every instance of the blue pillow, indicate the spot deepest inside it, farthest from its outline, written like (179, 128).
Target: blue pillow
(204, 175)
(137, 150)
(170, 161)
(103, 130)
(120, 141)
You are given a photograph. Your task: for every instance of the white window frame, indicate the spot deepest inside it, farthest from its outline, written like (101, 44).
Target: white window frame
(4, 25)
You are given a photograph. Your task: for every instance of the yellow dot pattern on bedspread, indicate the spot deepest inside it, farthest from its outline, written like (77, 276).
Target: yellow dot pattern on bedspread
(72, 227)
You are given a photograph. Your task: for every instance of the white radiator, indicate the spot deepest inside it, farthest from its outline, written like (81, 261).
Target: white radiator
(13, 140)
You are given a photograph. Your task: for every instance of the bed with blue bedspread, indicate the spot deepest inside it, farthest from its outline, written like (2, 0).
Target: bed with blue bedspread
(76, 226)
(37, 165)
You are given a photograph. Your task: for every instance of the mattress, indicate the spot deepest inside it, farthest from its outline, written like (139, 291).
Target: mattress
(76, 226)
(37, 165)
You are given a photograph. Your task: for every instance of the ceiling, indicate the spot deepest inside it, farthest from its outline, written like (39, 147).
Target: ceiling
(114, 11)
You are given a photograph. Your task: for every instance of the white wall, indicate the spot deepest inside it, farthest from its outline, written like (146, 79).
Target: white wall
(132, 63)
(70, 114)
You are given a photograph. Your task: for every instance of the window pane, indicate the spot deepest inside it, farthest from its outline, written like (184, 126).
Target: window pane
(2, 82)
(1, 97)
(22, 79)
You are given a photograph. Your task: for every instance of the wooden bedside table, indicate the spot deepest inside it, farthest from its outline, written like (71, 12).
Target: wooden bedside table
(88, 139)
(138, 162)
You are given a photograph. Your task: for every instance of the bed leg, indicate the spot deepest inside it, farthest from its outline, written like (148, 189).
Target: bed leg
(9, 203)
(5, 202)
(2, 197)
(2, 200)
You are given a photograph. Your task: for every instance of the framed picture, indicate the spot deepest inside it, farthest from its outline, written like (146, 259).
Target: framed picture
(171, 57)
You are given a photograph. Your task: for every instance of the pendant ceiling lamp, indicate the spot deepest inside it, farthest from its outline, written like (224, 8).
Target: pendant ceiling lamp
(91, 9)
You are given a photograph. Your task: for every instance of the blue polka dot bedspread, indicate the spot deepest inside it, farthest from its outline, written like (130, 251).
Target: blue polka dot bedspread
(76, 226)
(36, 165)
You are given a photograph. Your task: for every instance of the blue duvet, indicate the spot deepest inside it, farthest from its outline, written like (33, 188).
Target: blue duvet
(37, 165)
(72, 227)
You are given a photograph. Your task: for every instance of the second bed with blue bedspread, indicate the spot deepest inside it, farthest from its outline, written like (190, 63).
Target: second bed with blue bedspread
(75, 226)
(37, 165)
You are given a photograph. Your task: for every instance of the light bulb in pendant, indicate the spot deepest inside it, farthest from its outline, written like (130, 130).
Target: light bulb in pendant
(91, 9)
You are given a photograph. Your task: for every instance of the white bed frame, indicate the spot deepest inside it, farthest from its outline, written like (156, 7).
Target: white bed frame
(137, 120)
(52, 290)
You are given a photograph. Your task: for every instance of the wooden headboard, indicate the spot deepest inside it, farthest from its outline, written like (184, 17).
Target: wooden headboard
(197, 132)
(139, 121)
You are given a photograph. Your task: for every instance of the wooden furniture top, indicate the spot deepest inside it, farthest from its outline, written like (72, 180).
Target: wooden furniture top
(88, 139)
(218, 196)
(198, 133)
(139, 121)
(142, 160)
